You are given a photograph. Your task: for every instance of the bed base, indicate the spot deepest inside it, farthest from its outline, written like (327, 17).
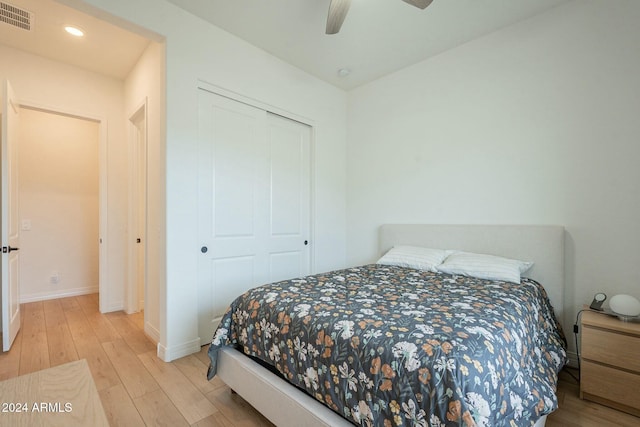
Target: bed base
(280, 402)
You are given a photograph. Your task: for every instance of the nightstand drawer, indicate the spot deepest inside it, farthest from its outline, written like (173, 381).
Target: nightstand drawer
(610, 386)
(611, 348)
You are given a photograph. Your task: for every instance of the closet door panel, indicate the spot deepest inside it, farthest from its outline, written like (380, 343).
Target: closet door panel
(253, 202)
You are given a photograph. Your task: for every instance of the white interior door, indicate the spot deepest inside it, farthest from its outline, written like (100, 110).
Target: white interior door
(141, 217)
(289, 145)
(138, 211)
(10, 230)
(254, 202)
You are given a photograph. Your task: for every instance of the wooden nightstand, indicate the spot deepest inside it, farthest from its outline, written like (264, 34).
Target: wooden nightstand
(610, 368)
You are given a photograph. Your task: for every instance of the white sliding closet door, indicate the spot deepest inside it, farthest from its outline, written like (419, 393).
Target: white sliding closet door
(289, 144)
(254, 202)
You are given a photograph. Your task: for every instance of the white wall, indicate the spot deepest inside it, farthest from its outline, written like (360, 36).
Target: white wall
(58, 193)
(39, 82)
(197, 50)
(534, 124)
(146, 82)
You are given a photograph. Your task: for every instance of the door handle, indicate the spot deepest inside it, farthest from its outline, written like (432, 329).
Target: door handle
(7, 249)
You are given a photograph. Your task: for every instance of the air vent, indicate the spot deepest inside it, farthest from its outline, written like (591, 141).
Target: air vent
(15, 16)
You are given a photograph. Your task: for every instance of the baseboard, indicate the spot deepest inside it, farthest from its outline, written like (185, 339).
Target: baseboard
(43, 296)
(573, 359)
(176, 352)
(116, 306)
(152, 332)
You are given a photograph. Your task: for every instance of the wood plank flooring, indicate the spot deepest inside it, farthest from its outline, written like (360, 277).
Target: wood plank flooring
(137, 389)
(575, 412)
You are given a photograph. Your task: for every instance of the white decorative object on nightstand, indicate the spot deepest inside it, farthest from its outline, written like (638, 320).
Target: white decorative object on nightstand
(625, 306)
(610, 368)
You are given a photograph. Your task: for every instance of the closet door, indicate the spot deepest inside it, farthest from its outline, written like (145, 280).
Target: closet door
(289, 144)
(253, 202)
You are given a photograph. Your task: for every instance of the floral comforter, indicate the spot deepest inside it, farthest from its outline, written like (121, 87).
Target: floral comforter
(386, 346)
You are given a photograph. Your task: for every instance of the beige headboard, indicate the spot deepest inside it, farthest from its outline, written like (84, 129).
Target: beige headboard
(542, 244)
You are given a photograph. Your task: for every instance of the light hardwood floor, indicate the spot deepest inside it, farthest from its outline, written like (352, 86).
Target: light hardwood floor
(574, 412)
(136, 388)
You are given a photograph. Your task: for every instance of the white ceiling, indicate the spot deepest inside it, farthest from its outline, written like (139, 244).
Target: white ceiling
(378, 36)
(105, 48)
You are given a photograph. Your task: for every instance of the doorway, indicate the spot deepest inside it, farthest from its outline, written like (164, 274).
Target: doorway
(59, 208)
(107, 95)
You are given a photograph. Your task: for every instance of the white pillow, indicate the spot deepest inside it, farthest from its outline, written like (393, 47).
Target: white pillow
(415, 257)
(485, 266)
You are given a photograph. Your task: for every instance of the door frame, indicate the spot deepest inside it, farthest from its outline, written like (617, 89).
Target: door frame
(140, 114)
(103, 242)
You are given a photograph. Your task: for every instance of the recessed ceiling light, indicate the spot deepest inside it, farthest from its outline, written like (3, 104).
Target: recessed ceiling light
(344, 72)
(74, 31)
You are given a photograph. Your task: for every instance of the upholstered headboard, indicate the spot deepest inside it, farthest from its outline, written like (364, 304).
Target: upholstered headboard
(542, 244)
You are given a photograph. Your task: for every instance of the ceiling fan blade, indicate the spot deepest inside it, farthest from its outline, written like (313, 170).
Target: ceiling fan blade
(422, 4)
(337, 12)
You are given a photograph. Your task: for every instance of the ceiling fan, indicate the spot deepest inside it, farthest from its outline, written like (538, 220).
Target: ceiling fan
(338, 11)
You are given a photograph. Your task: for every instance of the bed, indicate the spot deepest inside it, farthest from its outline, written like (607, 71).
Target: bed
(389, 345)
